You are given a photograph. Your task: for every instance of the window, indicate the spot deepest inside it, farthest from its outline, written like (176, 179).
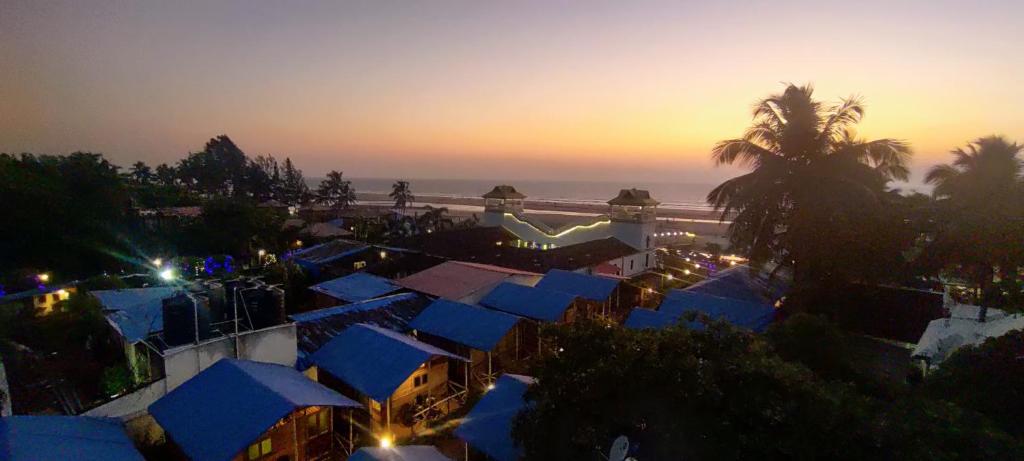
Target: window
(647, 260)
(359, 265)
(631, 261)
(261, 448)
(318, 423)
(420, 380)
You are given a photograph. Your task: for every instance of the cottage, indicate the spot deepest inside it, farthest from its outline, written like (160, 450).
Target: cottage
(240, 410)
(464, 282)
(489, 338)
(81, 438)
(487, 429)
(599, 294)
(401, 381)
(752, 316)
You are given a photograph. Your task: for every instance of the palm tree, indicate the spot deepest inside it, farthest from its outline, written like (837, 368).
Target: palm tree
(981, 212)
(434, 219)
(812, 179)
(335, 191)
(401, 194)
(141, 173)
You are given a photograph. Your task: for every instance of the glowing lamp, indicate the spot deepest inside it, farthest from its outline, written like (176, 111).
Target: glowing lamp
(44, 277)
(385, 441)
(158, 262)
(167, 274)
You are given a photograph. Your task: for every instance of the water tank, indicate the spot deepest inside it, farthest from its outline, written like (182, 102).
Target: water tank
(186, 320)
(265, 305)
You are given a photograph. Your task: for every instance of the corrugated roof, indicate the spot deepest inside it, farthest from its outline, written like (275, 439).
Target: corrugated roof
(135, 312)
(327, 252)
(472, 326)
(753, 316)
(316, 328)
(531, 302)
(640, 318)
(590, 287)
(457, 280)
(374, 361)
(399, 453)
(739, 282)
(81, 438)
(359, 286)
(488, 426)
(219, 412)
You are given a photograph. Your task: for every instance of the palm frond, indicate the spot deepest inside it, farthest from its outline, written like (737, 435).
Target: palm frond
(745, 152)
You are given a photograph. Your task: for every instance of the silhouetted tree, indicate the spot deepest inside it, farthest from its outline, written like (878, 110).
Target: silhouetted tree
(141, 173)
(335, 191)
(980, 201)
(166, 175)
(401, 194)
(814, 187)
(294, 190)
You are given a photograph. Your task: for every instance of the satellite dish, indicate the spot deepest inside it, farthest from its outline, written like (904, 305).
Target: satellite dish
(619, 450)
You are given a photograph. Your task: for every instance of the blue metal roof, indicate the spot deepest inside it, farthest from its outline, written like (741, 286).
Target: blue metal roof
(740, 283)
(316, 328)
(135, 312)
(219, 412)
(640, 318)
(488, 426)
(530, 302)
(399, 453)
(359, 286)
(753, 316)
(472, 326)
(81, 438)
(373, 360)
(590, 287)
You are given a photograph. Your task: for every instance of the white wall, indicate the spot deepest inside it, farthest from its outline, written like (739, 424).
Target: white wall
(276, 344)
(132, 405)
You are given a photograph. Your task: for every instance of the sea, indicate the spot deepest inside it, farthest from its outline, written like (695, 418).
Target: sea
(683, 196)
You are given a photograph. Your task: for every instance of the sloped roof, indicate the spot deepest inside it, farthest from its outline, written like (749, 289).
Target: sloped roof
(504, 191)
(456, 280)
(81, 438)
(374, 361)
(399, 453)
(324, 230)
(359, 286)
(135, 312)
(633, 197)
(753, 316)
(531, 302)
(740, 282)
(316, 328)
(472, 326)
(226, 407)
(326, 252)
(945, 336)
(488, 426)
(590, 287)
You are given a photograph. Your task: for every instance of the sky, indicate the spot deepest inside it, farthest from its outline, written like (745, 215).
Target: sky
(551, 90)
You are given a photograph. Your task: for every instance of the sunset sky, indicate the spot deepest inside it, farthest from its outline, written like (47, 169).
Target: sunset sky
(581, 90)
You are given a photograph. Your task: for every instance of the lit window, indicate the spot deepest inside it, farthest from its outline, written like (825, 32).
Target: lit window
(317, 423)
(261, 448)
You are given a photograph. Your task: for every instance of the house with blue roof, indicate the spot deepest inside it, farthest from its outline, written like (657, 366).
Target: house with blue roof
(750, 315)
(359, 286)
(600, 294)
(81, 438)
(487, 429)
(642, 319)
(402, 382)
(540, 304)
(242, 410)
(489, 338)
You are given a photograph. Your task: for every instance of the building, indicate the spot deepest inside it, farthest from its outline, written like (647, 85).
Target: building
(170, 334)
(631, 219)
(599, 295)
(42, 299)
(464, 282)
(402, 382)
(348, 255)
(534, 303)
(81, 438)
(355, 287)
(316, 328)
(487, 429)
(962, 328)
(490, 339)
(241, 410)
(399, 453)
(752, 316)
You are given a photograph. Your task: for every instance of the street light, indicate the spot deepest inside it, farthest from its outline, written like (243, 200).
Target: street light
(167, 274)
(158, 262)
(44, 277)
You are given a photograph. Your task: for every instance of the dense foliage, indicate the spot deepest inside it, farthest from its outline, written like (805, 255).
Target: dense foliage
(723, 394)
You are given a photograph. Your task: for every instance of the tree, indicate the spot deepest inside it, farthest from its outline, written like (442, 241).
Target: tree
(166, 175)
(814, 186)
(294, 190)
(722, 393)
(980, 201)
(336, 192)
(434, 219)
(141, 173)
(219, 169)
(401, 194)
